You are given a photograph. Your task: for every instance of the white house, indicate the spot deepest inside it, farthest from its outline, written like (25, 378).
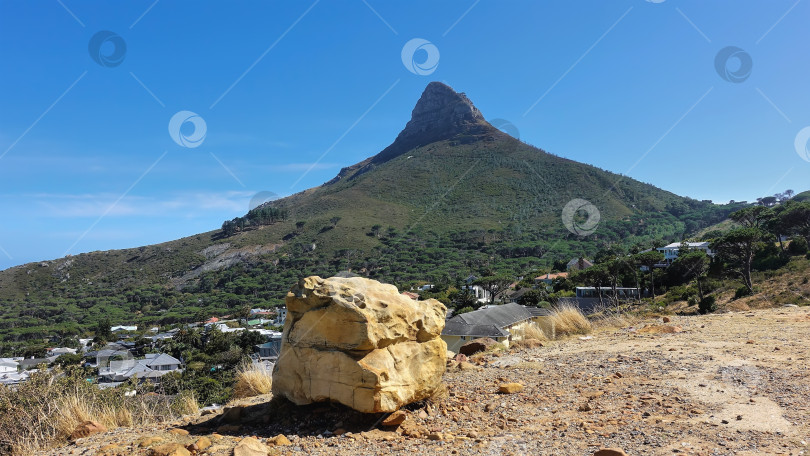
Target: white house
(481, 295)
(282, 316)
(61, 351)
(671, 251)
(124, 328)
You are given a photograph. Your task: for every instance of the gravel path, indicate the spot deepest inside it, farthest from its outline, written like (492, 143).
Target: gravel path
(728, 384)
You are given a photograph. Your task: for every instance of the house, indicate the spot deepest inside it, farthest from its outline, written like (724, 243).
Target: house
(162, 362)
(578, 264)
(152, 367)
(481, 295)
(548, 279)
(13, 378)
(32, 363)
(124, 328)
(281, 317)
(671, 251)
(61, 351)
(8, 365)
(425, 287)
(271, 348)
(411, 295)
(492, 321)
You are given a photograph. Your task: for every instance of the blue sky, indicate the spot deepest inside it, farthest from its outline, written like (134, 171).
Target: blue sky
(292, 91)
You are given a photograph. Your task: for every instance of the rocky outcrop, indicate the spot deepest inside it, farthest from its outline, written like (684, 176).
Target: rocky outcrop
(359, 342)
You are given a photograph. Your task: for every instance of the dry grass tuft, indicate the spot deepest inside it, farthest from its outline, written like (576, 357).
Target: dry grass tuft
(252, 380)
(46, 409)
(565, 320)
(528, 331)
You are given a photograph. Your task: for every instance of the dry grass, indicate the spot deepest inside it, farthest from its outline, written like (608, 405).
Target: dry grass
(46, 409)
(565, 320)
(252, 380)
(528, 331)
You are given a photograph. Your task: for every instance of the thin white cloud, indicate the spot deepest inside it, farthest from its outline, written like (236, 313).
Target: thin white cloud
(182, 204)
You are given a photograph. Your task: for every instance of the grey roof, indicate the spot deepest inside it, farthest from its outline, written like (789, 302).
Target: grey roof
(538, 312)
(34, 362)
(162, 360)
(454, 327)
(499, 316)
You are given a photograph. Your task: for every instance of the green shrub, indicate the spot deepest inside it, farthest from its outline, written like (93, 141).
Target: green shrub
(741, 292)
(707, 305)
(797, 246)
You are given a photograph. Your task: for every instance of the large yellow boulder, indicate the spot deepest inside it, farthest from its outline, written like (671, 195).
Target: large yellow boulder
(361, 343)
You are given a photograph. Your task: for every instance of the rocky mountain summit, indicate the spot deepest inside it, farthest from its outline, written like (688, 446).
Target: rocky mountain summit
(440, 114)
(725, 384)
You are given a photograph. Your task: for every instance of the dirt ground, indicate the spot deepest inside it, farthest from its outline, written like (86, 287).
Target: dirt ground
(735, 383)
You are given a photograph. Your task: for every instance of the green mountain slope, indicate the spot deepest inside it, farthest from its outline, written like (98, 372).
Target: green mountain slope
(452, 196)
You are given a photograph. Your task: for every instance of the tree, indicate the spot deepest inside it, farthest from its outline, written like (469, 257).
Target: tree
(104, 330)
(649, 259)
(376, 230)
(532, 297)
(299, 225)
(334, 221)
(736, 250)
(693, 265)
(496, 285)
(796, 219)
(751, 217)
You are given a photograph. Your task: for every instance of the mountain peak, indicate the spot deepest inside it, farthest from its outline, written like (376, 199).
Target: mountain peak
(441, 113)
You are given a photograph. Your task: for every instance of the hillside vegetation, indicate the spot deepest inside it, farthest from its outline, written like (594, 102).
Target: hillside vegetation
(452, 196)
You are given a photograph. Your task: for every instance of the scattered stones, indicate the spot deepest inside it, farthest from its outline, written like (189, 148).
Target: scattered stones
(149, 441)
(86, 429)
(610, 452)
(279, 440)
(202, 443)
(666, 319)
(231, 415)
(476, 346)
(171, 449)
(510, 388)
(395, 419)
(249, 446)
(177, 431)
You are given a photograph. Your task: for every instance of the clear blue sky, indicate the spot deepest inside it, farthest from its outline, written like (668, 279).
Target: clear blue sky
(284, 87)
